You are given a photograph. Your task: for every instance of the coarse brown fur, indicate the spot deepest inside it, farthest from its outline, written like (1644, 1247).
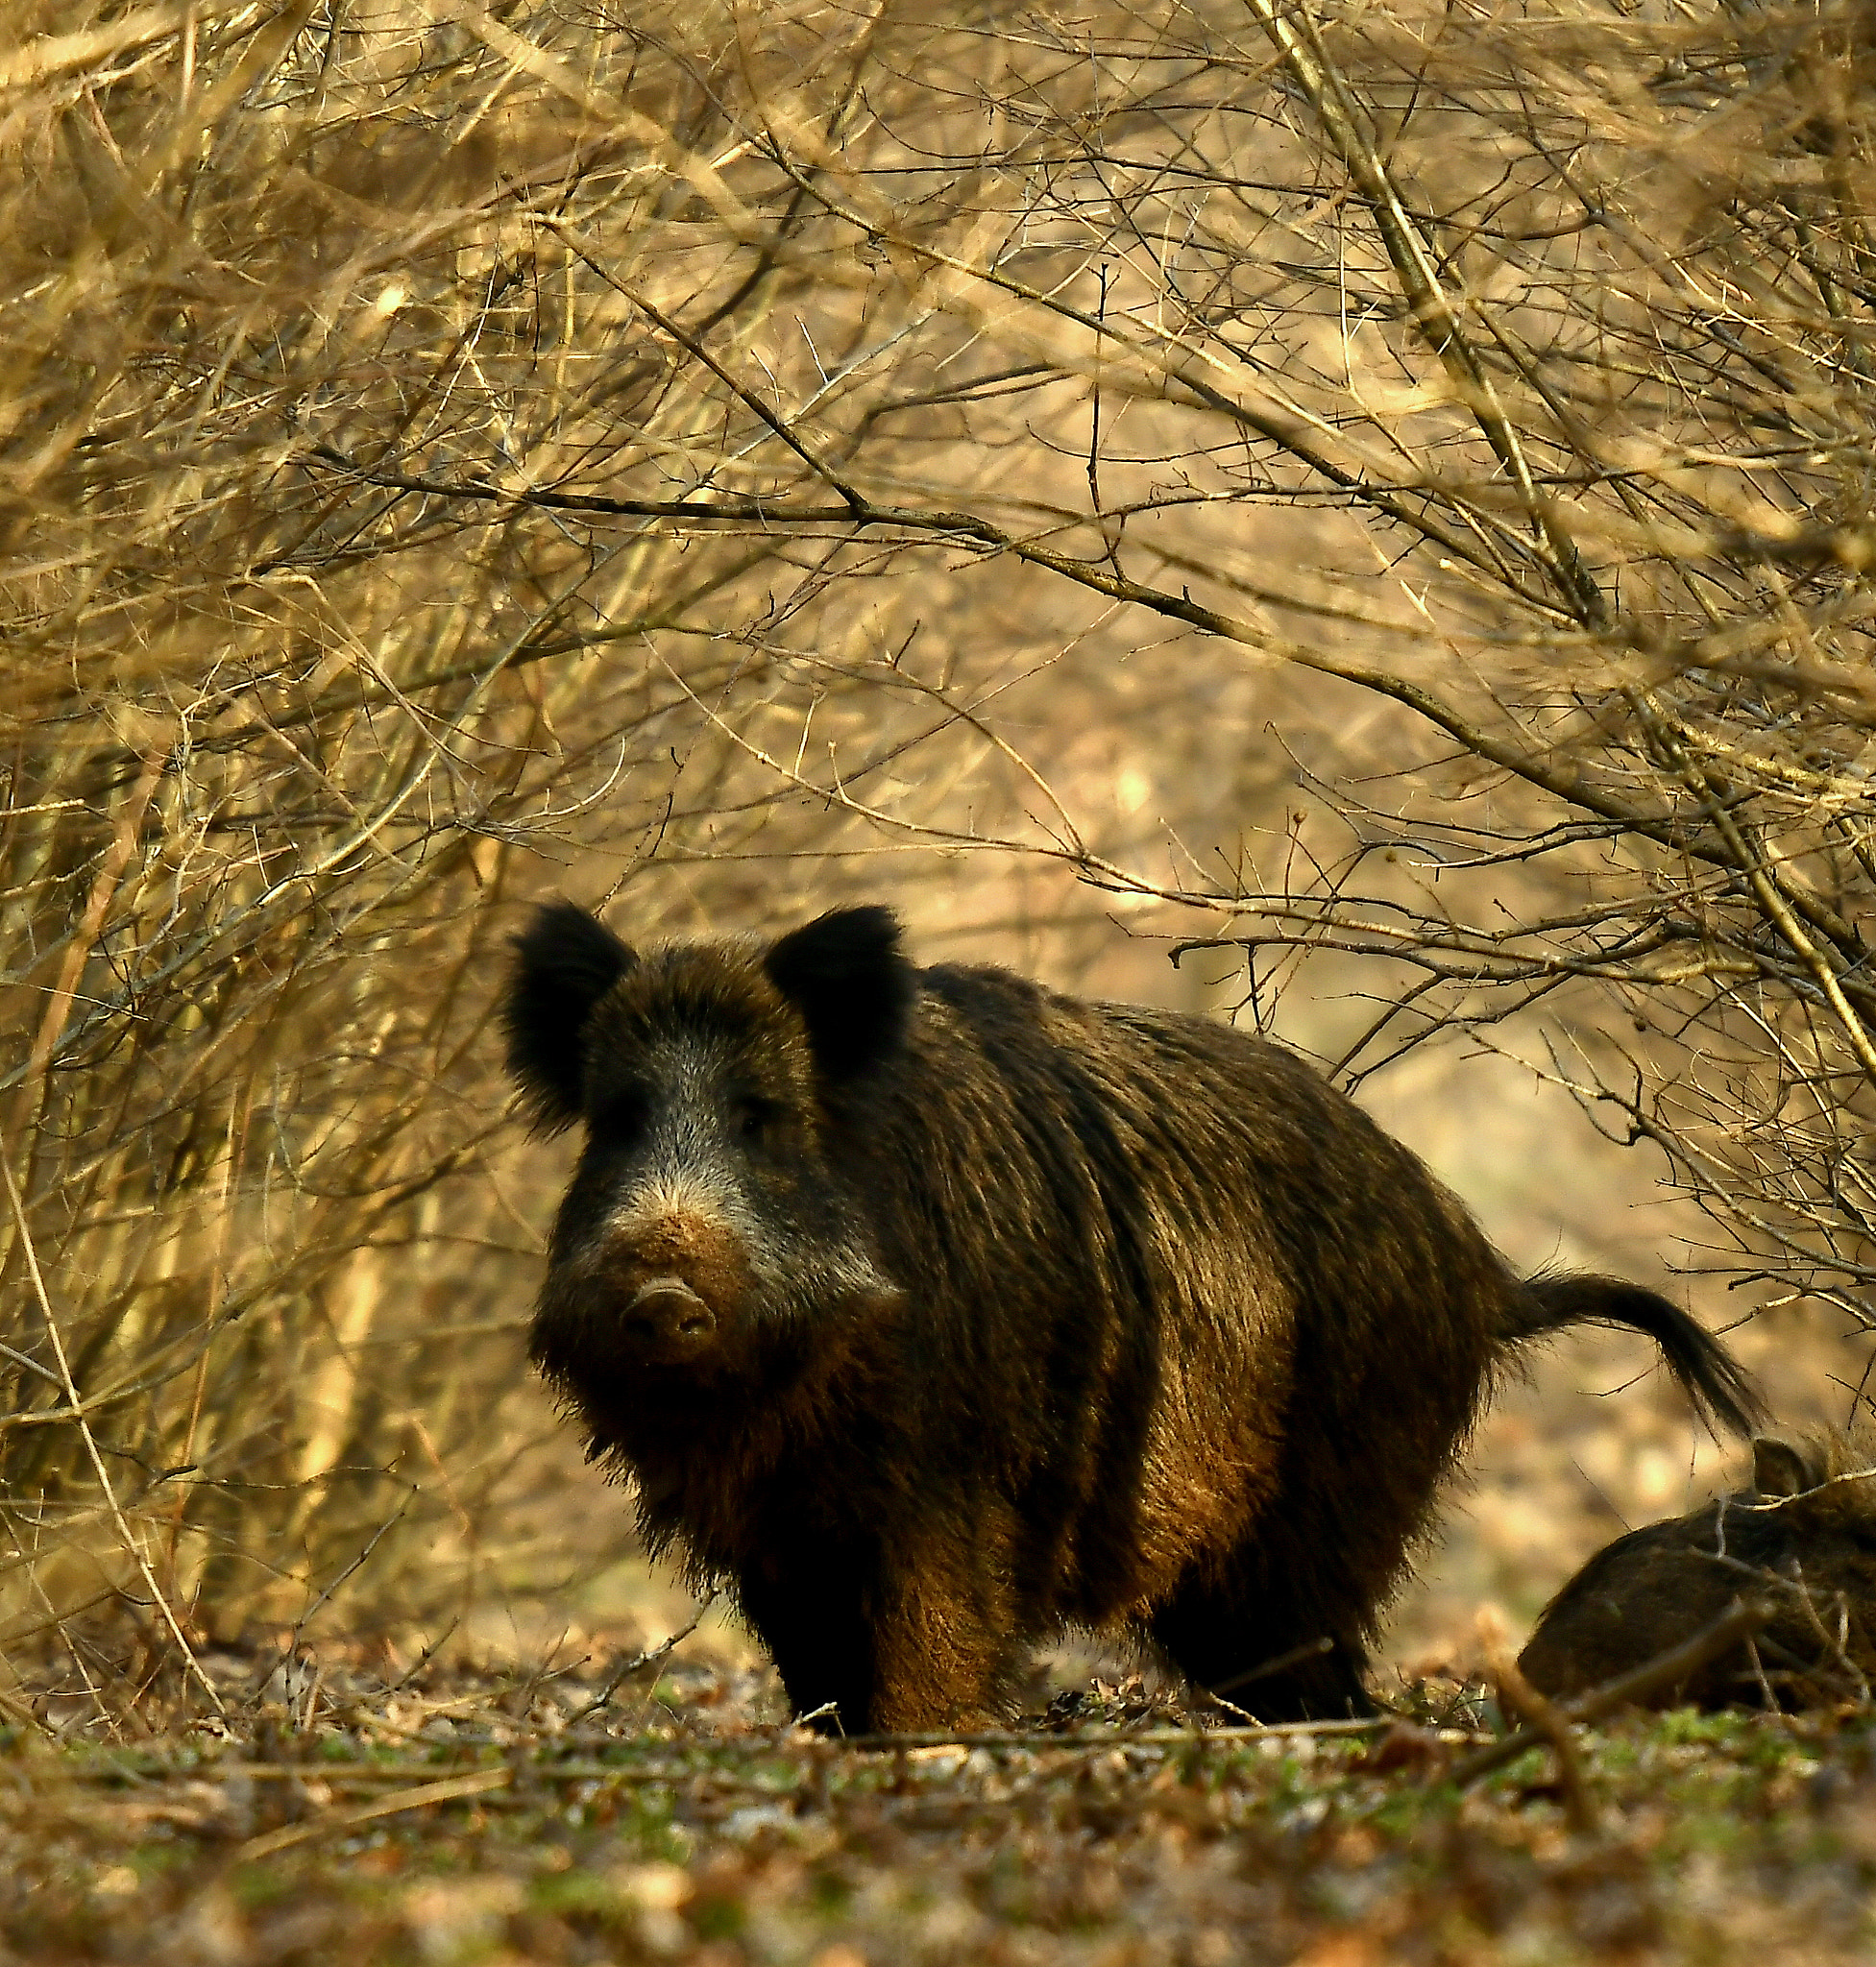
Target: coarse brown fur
(1802, 1539)
(937, 1311)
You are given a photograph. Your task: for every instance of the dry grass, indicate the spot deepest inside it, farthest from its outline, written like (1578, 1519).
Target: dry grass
(280, 748)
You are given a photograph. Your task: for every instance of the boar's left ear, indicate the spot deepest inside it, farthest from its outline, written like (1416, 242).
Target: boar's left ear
(565, 962)
(847, 977)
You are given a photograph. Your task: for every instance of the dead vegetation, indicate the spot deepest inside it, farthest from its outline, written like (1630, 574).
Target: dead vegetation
(462, 1817)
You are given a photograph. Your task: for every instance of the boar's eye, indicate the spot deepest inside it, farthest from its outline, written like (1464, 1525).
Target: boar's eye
(755, 1118)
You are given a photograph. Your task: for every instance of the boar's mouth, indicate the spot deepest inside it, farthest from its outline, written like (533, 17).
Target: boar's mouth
(667, 1324)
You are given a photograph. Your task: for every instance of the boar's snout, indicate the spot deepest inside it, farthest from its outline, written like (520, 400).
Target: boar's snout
(653, 1286)
(667, 1324)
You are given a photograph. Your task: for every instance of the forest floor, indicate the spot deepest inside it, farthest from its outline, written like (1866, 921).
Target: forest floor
(450, 1815)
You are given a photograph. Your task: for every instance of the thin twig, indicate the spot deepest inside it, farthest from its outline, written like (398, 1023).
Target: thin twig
(1520, 1699)
(1310, 1649)
(130, 1543)
(651, 1657)
(357, 1564)
(452, 1787)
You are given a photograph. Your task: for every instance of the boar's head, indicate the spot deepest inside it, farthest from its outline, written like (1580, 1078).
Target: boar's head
(1819, 1488)
(708, 1231)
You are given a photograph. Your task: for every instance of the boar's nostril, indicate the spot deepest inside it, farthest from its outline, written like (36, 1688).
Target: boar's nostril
(668, 1319)
(666, 1292)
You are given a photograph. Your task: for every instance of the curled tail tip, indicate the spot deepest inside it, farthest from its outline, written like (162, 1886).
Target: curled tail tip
(1722, 1393)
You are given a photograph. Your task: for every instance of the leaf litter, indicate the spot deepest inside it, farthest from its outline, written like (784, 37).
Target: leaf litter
(350, 1813)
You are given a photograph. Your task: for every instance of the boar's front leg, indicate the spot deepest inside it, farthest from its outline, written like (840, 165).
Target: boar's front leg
(808, 1612)
(904, 1643)
(946, 1657)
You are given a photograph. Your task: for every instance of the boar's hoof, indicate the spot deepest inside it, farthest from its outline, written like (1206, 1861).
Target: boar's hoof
(668, 1323)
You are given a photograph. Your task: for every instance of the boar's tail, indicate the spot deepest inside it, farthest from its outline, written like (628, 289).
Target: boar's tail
(1723, 1392)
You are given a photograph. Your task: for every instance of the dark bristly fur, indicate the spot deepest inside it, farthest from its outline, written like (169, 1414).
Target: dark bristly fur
(1802, 1537)
(937, 1311)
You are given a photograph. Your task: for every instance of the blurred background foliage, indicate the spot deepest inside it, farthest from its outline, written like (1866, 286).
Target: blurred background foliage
(1372, 500)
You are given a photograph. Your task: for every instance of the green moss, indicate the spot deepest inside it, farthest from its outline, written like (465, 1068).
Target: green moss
(257, 1886)
(718, 1918)
(577, 1893)
(1689, 1725)
(831, 1891)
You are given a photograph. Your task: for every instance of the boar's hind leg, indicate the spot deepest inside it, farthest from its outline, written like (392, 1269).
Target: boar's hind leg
(1216, 1637)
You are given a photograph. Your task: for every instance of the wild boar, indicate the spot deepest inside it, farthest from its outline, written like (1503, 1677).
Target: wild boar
(1802, 1539)
(935, 1311)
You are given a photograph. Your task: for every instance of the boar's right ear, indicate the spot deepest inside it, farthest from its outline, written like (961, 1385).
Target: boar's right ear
(565, 962)
(1783, 1467)
(847, 977)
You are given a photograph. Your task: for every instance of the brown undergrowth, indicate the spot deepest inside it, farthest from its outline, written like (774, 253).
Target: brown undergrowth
(1394, 494)
(396, 1811)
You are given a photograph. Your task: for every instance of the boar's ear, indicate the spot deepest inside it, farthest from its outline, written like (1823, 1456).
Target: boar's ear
(845, 973)
(1783, 1467)
(564, 962)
